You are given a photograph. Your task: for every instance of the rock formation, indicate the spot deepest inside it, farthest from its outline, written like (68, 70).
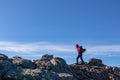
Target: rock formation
(54, 68)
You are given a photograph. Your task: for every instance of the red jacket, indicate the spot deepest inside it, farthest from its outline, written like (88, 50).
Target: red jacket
(79, 50)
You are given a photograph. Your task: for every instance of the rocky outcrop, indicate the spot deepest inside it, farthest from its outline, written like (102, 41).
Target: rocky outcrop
(24, 63)
(95, 70)
(55, 68)
(3, 57)
(46, 68)
(95, 62)
(55, 64)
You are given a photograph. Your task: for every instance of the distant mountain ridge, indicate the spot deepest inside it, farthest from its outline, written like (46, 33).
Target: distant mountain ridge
(49, 67)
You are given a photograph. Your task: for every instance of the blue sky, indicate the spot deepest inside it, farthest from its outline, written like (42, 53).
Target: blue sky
(31, 28)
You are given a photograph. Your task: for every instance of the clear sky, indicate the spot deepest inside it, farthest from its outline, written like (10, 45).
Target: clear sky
(31, 28)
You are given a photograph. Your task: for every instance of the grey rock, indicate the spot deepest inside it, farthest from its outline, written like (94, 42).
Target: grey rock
(44, 62)
(95, 62)
(32, 72)
(55, 64)
(3, 57)
(39, 74)
(115, 69)
(60, 65)
(109, 68)
(65, 76)
(17, 60)
(47, 57)
(23, 62)
(28, 64)
(14, 74)
(5, 66)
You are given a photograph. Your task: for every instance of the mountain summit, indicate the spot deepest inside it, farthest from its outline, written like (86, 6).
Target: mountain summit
(49, 67)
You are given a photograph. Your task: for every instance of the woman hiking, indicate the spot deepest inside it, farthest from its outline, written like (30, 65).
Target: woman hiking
(80, 51)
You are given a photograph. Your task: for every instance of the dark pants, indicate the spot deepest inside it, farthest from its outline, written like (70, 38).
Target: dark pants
(79, 56)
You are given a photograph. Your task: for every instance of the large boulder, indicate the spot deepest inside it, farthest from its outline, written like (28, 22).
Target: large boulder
(51, 63)
(47, 57)
(60, 65)
(95, 62)
(44, 62)
(5, 66)
(24, 63)
(3, 57)
(13, 74)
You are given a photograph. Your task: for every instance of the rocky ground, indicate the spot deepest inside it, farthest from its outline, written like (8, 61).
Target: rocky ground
(54, 68)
